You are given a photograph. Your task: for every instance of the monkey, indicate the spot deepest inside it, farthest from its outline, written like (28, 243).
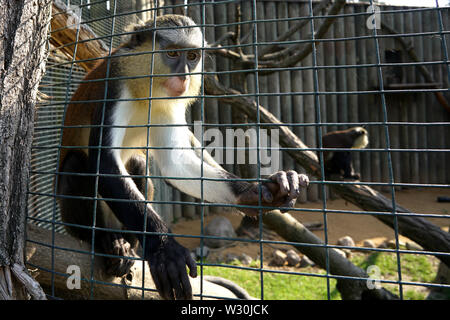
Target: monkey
(129, 107)
(338, 164)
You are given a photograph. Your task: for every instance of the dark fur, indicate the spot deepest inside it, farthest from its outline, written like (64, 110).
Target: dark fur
(338, 164)
(78, 180)
(99, 173)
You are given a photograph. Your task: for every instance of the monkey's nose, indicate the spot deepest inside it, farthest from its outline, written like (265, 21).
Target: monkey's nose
(184, 81)
(177, 85)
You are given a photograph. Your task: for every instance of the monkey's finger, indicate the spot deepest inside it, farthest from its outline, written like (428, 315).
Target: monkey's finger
(293, 180)
(266, 195)
(192, 265)
(303, 180)
(175, 281)
(186, 284)
(281, 178)
(289, 204)
(166, 287)
(252, 195)
(187, 289)
(158, 280)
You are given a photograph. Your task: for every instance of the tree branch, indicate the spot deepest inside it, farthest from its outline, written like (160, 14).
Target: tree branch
(295, 58)
(428, 235)
(351, 289)
(223, 38)
(23, 39)
(295, 28)
(64, 37)
(289, 57)
(71, 251)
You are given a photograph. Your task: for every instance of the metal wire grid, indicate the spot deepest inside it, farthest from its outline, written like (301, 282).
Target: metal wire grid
(43, 198)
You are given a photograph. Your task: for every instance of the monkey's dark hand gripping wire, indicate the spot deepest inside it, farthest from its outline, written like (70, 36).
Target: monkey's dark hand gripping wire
(281, 191)
(168, 269)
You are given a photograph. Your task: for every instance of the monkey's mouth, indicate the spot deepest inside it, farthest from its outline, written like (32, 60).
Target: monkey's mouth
(176, 93)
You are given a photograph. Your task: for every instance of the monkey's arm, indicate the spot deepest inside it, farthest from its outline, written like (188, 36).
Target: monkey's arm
(167, 258)
(203, 178)
(346, 160)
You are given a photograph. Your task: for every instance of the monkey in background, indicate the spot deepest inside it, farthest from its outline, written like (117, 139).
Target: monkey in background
(338, 164)
(103, 169)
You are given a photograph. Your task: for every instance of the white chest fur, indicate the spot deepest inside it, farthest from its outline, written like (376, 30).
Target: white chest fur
(170, 136)
(131, 131)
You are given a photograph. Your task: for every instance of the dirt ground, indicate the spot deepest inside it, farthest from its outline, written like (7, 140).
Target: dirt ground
(358, 226)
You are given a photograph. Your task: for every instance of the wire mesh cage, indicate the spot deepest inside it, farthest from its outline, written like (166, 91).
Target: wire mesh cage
(277, 77)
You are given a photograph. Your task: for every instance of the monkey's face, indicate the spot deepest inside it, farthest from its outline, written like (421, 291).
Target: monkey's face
(360, 138)
(174, 67)
(180, 64)
(179, 41)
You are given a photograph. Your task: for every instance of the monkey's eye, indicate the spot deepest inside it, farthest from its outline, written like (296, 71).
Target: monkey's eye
(192, 55)
(173, 54)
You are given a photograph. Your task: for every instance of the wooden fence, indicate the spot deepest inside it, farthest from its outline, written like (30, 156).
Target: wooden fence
(352, 68)
(349, 86)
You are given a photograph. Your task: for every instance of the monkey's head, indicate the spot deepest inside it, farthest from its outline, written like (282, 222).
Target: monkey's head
(360, 137)
(355, 138)
(177, 43)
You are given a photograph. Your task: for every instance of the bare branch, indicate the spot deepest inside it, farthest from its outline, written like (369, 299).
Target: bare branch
(248, 106)
(230, 54)
(6, 286)
(297, 27)
(351, 289)
(295, 58)
(287, 57)
(75, 252)
(237, 38)
(434, 239)
(30, 284)
(420, 230)
(223, 38)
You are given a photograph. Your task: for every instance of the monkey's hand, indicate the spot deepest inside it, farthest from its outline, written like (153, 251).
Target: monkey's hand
(168, 269)
(282, 191)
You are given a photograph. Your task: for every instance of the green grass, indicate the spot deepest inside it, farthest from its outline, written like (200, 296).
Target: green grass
(278, 286)
(417, 268)
(414, 268)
